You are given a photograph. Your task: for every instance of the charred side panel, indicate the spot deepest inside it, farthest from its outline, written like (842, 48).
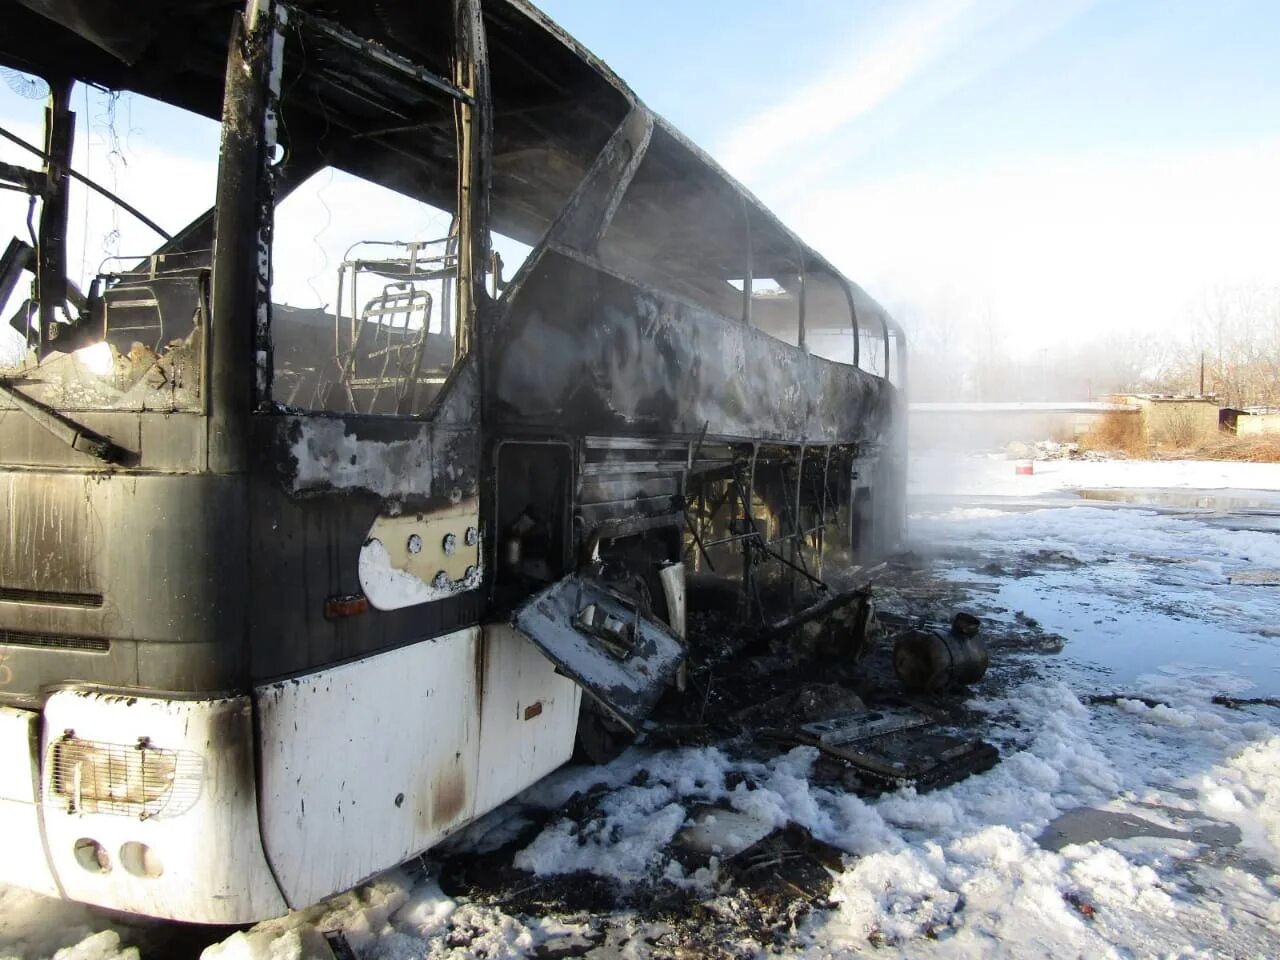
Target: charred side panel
(585, 352)
(319, 484)
(119, 580)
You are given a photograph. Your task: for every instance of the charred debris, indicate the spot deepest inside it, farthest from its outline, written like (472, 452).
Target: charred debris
(870, 675)
(864, 672)
(872, 691)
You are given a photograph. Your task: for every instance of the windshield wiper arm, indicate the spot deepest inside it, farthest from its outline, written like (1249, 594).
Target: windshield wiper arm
(75, 435)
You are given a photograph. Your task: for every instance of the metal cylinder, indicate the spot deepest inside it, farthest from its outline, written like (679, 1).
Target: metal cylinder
(930, 661)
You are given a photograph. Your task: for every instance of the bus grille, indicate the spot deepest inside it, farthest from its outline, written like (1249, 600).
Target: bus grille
(56, 598)
(22, 638)
(138, 780)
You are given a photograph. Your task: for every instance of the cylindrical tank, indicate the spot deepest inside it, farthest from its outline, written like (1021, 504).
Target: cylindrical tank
(930, 660)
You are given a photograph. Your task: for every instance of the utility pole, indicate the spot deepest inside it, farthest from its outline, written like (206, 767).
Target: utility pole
(1202, 373)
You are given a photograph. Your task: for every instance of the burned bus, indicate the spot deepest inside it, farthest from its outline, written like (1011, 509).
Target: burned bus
(334, 517)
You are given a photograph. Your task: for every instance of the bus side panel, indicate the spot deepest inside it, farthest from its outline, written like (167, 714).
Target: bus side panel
(529, 717)
(367, 763)
(579, 350)
(320, 484)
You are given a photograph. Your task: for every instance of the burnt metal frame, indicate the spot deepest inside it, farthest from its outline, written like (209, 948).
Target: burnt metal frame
(739, 495)
(253, 99)
(247, 187)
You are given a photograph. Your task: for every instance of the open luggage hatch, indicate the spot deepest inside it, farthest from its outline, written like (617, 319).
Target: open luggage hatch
(604, 643)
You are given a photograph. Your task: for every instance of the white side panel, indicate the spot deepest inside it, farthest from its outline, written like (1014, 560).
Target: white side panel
(529, 717)
(19, 779)
(212, 869)
(24, 862)
(368, 763)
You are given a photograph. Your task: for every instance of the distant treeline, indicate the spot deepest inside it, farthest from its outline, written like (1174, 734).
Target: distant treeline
(1235, 332)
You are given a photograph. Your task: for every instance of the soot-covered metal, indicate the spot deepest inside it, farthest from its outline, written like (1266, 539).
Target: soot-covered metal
(662, 398)
(646, 368)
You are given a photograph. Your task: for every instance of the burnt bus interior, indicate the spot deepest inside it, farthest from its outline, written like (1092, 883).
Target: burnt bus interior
(669, 375)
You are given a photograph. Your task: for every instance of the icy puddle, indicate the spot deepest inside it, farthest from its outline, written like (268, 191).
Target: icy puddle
(1133, 592)
(1216, 500)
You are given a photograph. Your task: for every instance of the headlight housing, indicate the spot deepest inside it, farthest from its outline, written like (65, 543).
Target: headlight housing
(132, 780)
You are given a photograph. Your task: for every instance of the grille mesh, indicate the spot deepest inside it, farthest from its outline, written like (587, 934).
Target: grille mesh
(138, 780)
(60, 598)
(21, 638)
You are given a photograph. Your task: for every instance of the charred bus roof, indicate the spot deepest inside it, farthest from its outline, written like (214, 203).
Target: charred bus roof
(554, 107)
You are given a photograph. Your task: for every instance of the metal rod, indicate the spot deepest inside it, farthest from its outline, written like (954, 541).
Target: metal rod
(819, 609)
(747, 273)
(88, 183)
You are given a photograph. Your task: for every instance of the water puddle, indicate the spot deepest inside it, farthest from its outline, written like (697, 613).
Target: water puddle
(1225, 501)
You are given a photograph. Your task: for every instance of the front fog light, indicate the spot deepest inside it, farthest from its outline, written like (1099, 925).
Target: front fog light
(92, 855)
(140, 860)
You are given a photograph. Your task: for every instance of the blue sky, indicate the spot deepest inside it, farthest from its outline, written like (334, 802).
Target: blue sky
(1041, 169)
(1049, 169)
(1006, 80)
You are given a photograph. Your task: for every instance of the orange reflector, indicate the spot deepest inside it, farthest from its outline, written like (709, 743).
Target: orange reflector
(349, 605)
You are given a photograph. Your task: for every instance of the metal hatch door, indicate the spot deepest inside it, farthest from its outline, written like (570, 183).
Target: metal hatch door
(603, 643)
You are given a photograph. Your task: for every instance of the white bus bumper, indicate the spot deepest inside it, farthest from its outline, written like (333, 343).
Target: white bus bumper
(139, 804)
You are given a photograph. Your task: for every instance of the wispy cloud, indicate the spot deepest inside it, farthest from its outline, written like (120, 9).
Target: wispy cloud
(872, 72)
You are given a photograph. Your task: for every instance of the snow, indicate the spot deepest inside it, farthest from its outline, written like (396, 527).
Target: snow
(993, 475)
(1142, 594)
(1135, 586)
(975, 843)
(32, 926)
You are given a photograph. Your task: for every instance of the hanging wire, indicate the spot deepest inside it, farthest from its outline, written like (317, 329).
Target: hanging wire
(115, 160)
(324, 255)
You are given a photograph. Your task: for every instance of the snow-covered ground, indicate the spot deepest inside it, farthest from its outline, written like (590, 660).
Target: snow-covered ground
(1150, 573)
(1122, 829)
(994, 475)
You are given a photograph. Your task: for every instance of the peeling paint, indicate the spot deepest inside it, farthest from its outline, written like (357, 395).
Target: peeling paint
(328, 456)
(389, 588)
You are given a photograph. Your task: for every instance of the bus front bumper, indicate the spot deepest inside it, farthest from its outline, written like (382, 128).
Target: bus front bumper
(141, 804)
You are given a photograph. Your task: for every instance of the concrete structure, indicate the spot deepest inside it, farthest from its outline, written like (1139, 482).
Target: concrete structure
(1254, 424)
(1175, 421)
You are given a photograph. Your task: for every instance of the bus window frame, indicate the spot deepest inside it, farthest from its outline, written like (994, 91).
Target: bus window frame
(253, 100)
